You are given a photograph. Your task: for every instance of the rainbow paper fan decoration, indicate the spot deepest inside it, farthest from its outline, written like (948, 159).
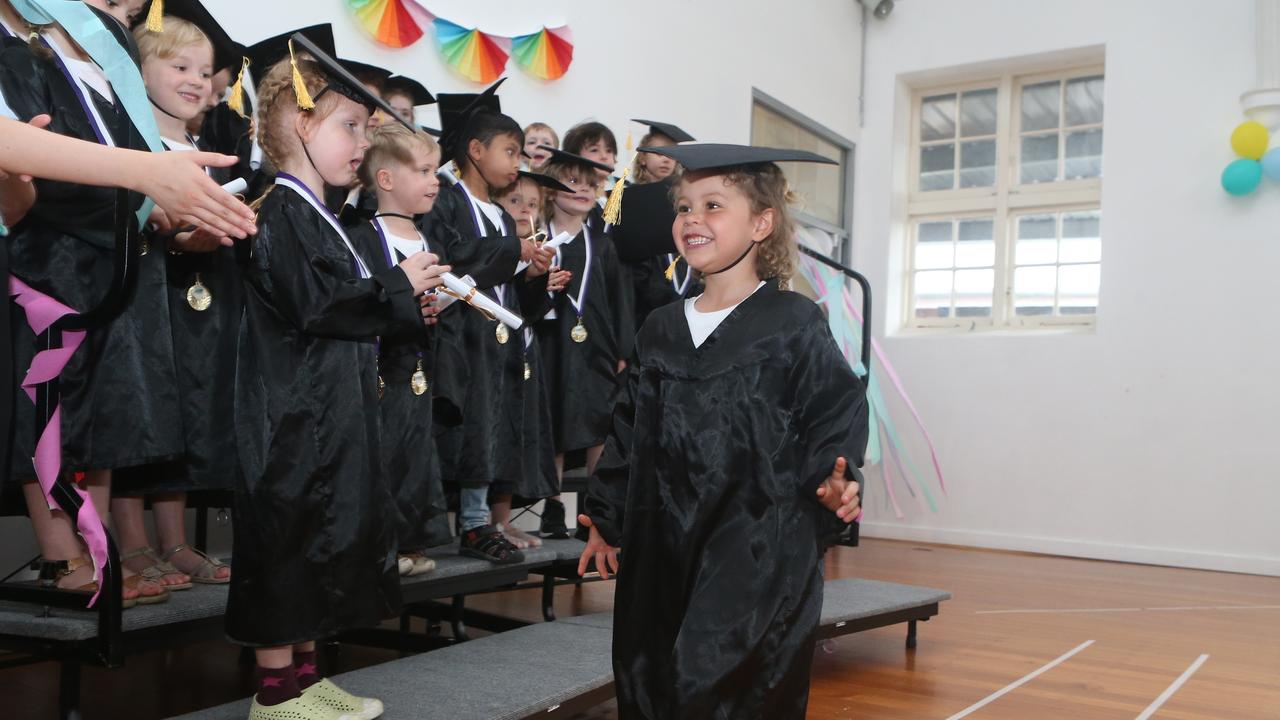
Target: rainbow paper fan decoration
(545, 54)
(479, 57)
(396, 23)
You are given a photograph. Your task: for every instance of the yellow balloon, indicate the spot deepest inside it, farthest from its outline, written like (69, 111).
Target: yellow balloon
(1250, 140)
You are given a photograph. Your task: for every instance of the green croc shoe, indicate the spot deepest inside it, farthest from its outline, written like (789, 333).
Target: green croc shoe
(343, 701)
(303, 707)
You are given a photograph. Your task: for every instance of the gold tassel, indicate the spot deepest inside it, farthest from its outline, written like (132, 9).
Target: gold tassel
(671, 269)
(613, 208)
(299, 85)
(630, 142)
(236, 99)
(155, 17)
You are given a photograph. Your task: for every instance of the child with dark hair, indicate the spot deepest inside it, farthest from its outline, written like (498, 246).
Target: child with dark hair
(490, 363)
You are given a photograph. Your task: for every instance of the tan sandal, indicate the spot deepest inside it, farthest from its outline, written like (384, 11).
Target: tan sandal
(207, 572)
(157, 570)
(136, 583)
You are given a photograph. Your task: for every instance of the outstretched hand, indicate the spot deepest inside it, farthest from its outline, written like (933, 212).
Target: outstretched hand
(841, 495)
(605, 555)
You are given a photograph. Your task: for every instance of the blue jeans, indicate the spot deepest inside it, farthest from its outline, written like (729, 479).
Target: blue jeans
(474, 508)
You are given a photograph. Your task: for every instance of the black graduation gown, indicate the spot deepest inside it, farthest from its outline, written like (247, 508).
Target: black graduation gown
(118, 392)
(653, 289)
(313, 552)
(486, 375)
(708, 484)
(583, 377)
(410, 465)
(204, 344)
(224, 131)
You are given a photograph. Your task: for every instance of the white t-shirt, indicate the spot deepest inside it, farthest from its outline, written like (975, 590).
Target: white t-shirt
(702, 324)
(494, 213)
(90, 74)
(406, 246)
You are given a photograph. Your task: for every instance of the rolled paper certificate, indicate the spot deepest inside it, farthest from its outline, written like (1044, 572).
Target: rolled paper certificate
(563, 238)
(236, 186)
(468, 294)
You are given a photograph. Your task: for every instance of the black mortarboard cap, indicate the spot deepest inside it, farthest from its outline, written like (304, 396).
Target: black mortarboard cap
(226, 52)
(417, 92)
(676, 134)
(342, 81)
(713, 156)
(560, 156)
(268, 52)
(649, 215)
(546, 181)
(457, 109)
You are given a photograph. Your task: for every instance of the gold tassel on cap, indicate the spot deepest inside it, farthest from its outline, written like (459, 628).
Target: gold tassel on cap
(671, 269)
(155, 17)
(236, 99)
(630, 143)
(299, 85)
(613, 208)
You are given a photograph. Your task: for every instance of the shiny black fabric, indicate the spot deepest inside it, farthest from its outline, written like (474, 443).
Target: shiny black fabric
(583, 377)
(224, 131)
(708, 483)
(204, 344)
(410, 465)
(118, 392)
(488, 377)
(313, 552)
(653, 289)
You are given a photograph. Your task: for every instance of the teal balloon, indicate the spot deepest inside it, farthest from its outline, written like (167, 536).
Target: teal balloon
(1242, 176)
(1271, 164)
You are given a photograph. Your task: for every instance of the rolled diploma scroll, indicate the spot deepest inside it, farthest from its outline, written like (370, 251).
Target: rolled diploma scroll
(563, 238)
(238, 185)
(468, 293)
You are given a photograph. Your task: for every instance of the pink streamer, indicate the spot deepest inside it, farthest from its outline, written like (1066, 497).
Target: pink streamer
(42, 312)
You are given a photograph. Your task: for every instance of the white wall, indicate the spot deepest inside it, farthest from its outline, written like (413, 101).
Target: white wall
(1152, 439)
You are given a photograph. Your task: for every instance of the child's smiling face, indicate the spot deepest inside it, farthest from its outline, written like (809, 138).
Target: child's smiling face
(181, 84)
(714, 222)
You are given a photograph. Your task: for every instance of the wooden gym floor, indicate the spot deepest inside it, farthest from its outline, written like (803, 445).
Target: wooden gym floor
(1026, 636)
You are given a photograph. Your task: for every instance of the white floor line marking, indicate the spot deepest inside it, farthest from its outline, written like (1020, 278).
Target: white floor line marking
(1018, 683)
(1186, 608)
(1169, 691)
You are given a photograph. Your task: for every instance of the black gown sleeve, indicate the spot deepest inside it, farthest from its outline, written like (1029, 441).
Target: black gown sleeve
(320, 299)
(490, 261)
(829, 407)
(606, 499)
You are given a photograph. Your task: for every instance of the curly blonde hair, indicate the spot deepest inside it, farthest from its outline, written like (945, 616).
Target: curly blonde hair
(562, 170)
(766, 188)
(178, 34)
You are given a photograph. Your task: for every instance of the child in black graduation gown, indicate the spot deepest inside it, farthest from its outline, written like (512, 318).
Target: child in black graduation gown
(313, 554)
(400, 169)
(493, 363)
(729, 454)
(586, 343)
(205, 297)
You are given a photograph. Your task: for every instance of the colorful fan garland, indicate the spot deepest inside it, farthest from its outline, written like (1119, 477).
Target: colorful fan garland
(478, 56)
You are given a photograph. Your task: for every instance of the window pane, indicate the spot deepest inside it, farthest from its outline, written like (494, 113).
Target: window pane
(1040, 106)
(978, 113)
(1081, 238)
(1037, 240)
(1084, 154)
(978, 163)
(973, 292)
(933, 294)
(1039, 159)
(976, 247)
(1033, 290)
(1078, 289)
(933, 246)
(937, 167)
(938, 118)
(821, 187)
(1084, 101)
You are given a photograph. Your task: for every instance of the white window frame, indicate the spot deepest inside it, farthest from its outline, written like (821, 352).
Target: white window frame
(1003, 202)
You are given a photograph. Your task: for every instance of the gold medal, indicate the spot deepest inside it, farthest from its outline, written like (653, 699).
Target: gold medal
(418, 381)
(528, 371)
(502, 333)
(579, 332)
(146, 245)
(198, 296)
